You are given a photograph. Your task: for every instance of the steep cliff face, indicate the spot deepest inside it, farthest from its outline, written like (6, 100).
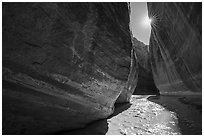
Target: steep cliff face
(142, 53)
(145, 83)
(64, 64)
(175, 46)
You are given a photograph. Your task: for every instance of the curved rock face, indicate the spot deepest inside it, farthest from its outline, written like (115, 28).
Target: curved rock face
(145, 84)
(142, 53)
(175, 46)
(64, 64)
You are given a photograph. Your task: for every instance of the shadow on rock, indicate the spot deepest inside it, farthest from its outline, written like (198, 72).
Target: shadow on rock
(145, 84)
(99, 127)
(187, 108)
(119, 108)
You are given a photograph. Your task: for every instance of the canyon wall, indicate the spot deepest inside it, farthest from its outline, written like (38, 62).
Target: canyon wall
(145, 83)
(176, 46)
(64, 64)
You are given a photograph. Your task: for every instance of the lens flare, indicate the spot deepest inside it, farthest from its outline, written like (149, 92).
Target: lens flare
(147, 22)
(155, 19)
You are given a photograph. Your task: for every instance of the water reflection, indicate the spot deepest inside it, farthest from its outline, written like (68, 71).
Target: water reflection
(147, 115)
(187, 109)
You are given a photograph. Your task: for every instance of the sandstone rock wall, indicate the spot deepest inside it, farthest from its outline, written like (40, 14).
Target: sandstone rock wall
(145, 83)
(176, 46)
(142, 53)
(64, 64)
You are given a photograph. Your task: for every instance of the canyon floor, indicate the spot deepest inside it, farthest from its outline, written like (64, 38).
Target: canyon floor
(150, 115)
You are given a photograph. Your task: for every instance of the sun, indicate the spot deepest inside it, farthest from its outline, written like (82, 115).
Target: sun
(147, 21)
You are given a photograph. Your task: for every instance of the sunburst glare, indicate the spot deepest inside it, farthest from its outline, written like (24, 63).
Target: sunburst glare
(154, 20)
(147, 22)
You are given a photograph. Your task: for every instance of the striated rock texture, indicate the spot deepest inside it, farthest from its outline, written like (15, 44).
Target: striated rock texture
(64, 64)
(175, 46)
(145, 84)
(142, 54)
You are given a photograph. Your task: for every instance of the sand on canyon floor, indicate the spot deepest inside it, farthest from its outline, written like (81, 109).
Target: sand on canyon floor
(150, 115)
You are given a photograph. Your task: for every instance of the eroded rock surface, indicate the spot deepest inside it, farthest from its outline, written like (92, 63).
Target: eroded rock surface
(145, 83)
(176, 46)
(64, 64)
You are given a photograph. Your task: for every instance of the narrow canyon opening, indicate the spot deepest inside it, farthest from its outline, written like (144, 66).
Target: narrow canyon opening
(140, 26)
(82, 68)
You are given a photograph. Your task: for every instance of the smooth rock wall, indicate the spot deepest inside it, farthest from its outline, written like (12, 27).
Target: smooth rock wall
(64, 64)
(176, 46)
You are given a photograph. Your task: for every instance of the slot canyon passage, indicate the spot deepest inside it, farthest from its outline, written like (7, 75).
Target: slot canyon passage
(75, 68)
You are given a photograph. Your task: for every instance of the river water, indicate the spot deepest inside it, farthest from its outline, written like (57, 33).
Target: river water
(150, 115)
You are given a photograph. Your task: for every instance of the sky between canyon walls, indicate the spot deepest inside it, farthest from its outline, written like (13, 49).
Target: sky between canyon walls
(138, 21)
